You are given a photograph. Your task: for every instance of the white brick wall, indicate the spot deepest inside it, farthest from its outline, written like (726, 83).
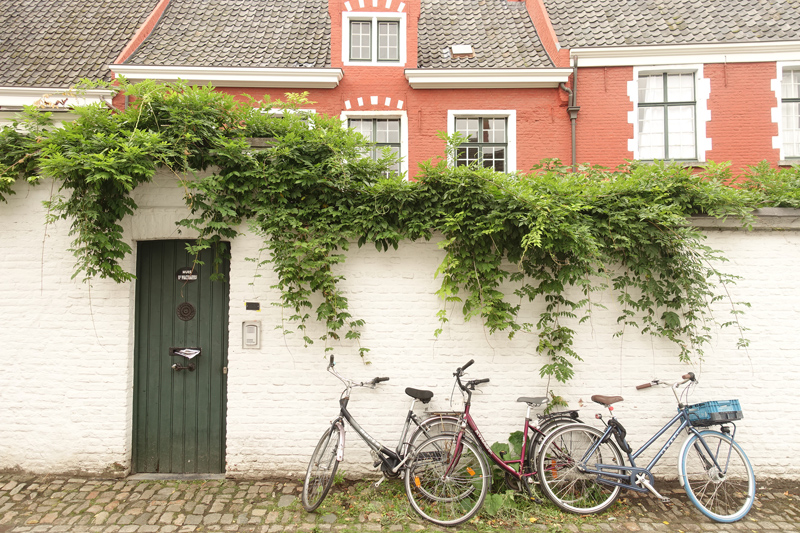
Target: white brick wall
(66, 354)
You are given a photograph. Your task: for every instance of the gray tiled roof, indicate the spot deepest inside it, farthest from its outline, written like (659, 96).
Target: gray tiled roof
(239, 33)
(500, 32)
(54, 43)
(583, 23)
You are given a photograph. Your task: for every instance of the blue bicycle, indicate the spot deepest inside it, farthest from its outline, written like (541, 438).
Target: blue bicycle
(581, 468)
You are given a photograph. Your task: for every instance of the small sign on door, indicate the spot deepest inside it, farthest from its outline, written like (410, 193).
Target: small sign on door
(187, 274)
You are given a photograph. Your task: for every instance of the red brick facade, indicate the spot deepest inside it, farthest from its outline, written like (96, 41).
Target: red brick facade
(735, 122)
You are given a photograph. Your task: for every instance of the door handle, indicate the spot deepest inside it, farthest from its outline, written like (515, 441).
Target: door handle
(190, 367)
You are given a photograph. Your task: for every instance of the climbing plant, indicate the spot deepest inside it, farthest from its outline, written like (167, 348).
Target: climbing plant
(550, 235)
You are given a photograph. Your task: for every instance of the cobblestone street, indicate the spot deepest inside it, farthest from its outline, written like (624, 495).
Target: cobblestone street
(61, 504)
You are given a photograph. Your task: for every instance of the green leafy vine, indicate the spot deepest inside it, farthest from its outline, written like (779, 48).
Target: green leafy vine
(551, 235)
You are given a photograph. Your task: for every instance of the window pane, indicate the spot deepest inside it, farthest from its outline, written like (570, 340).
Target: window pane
(360, 37)
(680, 88)
(364, 127)
(494, 157)
(790, 85)
(389, 40)
(651, 89)
(494, 130)
(680, 128)
(468, 127)
(465, 156)
(387, 131)
(396, 151)
(790, 112)
(651, 133)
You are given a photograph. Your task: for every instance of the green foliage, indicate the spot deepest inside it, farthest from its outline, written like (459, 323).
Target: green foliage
(551, 237)
(773, 187)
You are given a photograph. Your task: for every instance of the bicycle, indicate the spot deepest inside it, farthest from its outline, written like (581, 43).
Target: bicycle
(330, 449)
(582, 468)
(448, 477)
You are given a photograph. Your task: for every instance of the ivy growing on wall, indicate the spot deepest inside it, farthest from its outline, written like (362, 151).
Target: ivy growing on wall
(549, 235)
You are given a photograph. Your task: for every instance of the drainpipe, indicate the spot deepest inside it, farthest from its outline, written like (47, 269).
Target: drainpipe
(573, 109)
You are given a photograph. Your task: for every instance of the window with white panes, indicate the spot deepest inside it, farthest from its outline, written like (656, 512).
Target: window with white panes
(790, 113)
(486, 142)
(374, 40)
(667, 116)
(384, 132)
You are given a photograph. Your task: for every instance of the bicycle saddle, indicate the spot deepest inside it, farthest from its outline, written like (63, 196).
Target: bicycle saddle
(535, 401)
(606, 400)
(422, 395)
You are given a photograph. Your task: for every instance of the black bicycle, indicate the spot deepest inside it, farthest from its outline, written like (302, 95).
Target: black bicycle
(330, 450)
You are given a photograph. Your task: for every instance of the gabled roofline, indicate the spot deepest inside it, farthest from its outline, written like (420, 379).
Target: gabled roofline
(486, 78)
(290, 78)
(143, 32)
(616, 56)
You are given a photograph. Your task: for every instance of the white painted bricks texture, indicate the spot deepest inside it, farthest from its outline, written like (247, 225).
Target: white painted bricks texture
(66, 361)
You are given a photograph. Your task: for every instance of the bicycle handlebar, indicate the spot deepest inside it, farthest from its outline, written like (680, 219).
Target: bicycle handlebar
(686, 377)
(378, 380)
(460, 371)
(472, 383)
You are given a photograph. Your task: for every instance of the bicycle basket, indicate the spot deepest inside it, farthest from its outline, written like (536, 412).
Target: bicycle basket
(710, 413)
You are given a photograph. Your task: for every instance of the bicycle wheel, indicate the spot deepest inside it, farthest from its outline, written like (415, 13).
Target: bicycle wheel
(321, 469)
(445, 485)
(724, 494)
(561, 462)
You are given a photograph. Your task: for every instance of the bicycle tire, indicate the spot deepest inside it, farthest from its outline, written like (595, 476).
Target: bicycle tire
(536, 441)
(562, 481)
(442, 498)
(722, 497)
(321, 469)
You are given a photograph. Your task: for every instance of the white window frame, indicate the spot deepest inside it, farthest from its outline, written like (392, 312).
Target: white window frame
(511, 129)
(374, 18)
(402, 115)
(702, 114)
(777, 115)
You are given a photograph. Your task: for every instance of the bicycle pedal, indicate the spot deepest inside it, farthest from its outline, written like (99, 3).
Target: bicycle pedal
(666, 501)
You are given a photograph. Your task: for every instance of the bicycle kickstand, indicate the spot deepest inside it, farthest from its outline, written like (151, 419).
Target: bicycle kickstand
(641, 479)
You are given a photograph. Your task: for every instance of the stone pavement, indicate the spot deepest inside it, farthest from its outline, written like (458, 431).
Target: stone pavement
(51, 504)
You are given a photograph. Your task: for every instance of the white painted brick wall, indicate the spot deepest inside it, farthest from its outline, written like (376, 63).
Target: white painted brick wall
(66, 354)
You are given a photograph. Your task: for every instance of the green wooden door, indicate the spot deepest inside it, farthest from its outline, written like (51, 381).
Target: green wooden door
(179, 414)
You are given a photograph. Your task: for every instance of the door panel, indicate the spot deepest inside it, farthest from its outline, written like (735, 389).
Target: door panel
(179, 415)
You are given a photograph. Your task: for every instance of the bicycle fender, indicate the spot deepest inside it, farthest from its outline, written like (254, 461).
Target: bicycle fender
(683, 449)
(340, 448)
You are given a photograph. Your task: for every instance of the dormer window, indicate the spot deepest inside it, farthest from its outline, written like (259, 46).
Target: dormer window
(373, 38)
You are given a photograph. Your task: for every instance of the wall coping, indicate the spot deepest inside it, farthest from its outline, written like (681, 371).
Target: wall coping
(766, 219)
